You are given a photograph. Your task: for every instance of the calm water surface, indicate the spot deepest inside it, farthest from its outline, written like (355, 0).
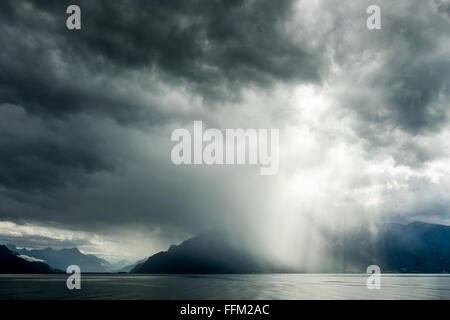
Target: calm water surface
(278, 286)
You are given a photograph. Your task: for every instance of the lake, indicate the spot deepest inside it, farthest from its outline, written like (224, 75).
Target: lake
(226, 287)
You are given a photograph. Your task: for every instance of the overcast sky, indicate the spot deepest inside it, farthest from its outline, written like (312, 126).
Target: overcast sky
(86, 118)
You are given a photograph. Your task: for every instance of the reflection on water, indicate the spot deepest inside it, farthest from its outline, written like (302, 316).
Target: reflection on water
(267, 286)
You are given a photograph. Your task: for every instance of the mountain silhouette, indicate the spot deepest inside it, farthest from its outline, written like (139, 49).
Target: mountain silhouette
(207, 253)
(417, 247)
(10, 262)
(63, 258)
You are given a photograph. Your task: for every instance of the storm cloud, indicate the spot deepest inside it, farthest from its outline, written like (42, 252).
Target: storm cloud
(86, 118)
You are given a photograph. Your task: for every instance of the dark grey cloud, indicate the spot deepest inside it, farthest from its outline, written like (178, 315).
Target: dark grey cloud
(415, 79)
(414, 94)
(212, 47)
(57, 85)
(33, 241)
(209, 44)
(398, 86)
(42, 155)
(443, 6)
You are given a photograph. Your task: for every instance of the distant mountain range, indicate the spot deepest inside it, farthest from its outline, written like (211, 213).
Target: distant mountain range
(416, 247)
(413, 248)
(10, 262)
(61, 259)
